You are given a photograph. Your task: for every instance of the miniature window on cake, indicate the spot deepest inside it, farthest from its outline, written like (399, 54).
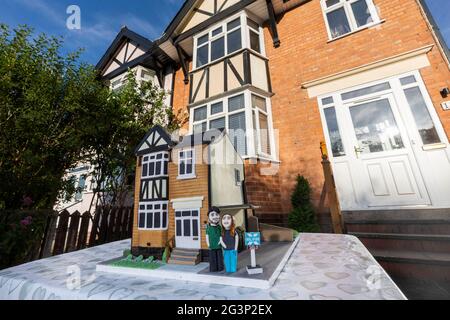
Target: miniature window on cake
(186, 164)
(153, 216)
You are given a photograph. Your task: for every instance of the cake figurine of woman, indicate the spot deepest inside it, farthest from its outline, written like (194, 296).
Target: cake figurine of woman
(213, 234)
(230, 242)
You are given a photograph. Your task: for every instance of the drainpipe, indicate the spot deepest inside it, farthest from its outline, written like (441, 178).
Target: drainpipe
(433, 27)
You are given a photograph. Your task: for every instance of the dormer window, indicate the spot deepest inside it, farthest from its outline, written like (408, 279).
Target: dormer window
(226, 38)
(346, 16)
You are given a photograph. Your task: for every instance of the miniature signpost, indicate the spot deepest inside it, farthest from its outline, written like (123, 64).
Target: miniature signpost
(253, 242)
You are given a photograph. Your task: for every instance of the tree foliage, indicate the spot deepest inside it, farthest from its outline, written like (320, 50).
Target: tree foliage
(303, 217)
(55, 112)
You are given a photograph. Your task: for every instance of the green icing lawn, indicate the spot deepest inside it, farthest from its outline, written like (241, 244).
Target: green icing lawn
(137, 263)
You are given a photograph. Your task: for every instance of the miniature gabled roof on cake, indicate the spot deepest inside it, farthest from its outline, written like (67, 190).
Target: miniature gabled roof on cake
(157, 139)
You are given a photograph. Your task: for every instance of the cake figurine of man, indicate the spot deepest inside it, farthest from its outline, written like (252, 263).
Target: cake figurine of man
(230, 243)
(213, 234)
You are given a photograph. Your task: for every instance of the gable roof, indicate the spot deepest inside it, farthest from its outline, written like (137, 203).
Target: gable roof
(124, 35)
(190, 6)
(157, 139)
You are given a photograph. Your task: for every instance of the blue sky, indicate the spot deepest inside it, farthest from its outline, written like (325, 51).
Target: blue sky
(102, 19)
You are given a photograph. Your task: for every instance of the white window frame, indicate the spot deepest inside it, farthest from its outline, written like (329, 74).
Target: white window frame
(155, 160)
(257, 129)
(191, 175)
(252, 128)
(346, 4)
(118, 82)
(153, 211)
(245, 38)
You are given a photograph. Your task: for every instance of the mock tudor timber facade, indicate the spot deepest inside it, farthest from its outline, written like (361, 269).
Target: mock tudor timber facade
(281, 76)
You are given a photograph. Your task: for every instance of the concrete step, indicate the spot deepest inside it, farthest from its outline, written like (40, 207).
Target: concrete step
(385, 216)
(409, 242)
(413, 264)
(437, 227)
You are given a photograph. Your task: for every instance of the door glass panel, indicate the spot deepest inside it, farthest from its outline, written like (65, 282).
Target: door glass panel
(187, 227)
(333, 130)
(179, 231)
(424, 123)
(195, 228)
(375, 127)
(365, 91)
(408, 80)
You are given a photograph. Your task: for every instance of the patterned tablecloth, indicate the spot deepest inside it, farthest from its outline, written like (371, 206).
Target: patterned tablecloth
(321, 267)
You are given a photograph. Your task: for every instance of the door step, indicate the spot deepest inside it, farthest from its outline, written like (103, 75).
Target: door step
(185, 257)
(408, 242)
(415, 265)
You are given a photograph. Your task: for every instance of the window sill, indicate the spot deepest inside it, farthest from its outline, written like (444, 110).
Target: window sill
(357, 30)
(146, 229)
(261, 158)
(190, 177)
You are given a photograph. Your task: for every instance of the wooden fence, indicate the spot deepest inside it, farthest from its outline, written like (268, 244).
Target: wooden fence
(67, 232)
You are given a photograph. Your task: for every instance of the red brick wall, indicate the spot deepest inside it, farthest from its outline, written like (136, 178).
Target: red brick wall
(305, 54)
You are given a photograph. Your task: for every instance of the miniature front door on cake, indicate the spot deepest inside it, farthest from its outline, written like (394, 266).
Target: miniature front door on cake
(187, 225)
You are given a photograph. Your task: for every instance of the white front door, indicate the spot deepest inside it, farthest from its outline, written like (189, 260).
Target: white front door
(187, 229)
(387, 145)
(384, 161)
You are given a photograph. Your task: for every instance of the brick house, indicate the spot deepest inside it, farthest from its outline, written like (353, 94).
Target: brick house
(370, 78)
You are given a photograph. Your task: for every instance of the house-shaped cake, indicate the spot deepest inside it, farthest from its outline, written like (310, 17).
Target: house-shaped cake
(176, 184)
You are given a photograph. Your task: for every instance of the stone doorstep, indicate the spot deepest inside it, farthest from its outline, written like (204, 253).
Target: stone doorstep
(192, 273)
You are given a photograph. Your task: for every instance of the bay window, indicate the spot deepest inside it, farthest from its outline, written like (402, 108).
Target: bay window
(153, 216)
(231, 35)
(247, 119)
(345, 16)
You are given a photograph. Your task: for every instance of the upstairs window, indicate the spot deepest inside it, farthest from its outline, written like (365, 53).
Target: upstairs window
(345, 16)
(218, 42)
(155, 165)
(254, 35)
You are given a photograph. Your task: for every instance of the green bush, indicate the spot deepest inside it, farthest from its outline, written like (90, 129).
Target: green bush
(303, 217)
(21, 235)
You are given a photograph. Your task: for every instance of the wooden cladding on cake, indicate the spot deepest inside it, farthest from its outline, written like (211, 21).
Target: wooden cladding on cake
(228, 74)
